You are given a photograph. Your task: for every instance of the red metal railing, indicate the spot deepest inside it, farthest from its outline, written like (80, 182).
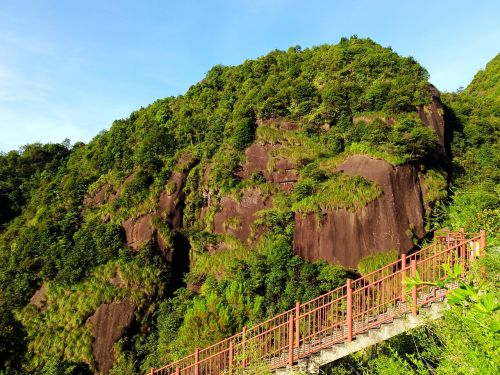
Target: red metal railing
(338, 315)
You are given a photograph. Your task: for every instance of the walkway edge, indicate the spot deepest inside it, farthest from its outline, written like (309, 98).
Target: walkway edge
(312, 364)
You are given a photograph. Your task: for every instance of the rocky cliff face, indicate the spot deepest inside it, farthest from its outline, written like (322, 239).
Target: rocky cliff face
(140, 230)
(340, 236)
(388, 222)
(108, 324)
(282, 173)
(237, 217)
(432, 115)
(391, 221)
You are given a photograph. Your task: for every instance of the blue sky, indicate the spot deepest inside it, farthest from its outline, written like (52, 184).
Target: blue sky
(69, 68)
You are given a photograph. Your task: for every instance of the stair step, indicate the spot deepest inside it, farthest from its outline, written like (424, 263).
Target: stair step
(382, 332)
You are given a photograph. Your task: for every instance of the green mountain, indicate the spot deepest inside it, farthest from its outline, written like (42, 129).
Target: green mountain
(474, 120)
(263, 185)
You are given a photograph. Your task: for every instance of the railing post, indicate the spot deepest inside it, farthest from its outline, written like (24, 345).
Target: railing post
(243, 346)
(290, 340)
(462, 250)
(177, 371)
(196, 361)
(462, 234)
(403, 277)
(413, 265)
(152, 372)
(297, 324)
(349, 310)
(482, 243)
(231, 357)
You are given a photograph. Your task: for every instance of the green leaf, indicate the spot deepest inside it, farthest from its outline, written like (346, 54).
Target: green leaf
(440, 284)
(494, 326)
(487, 304)
(458, 269)
(418, 279)
(458, 296)
(410, 283)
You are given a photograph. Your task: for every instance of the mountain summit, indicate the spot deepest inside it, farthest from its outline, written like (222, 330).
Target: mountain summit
(266, 183)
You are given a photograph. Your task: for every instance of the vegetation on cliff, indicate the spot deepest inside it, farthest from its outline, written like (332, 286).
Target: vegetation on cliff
(62, 207)
(474, 117)
(466, 340)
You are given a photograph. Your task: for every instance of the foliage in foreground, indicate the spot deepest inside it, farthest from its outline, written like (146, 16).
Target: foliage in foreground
(465, 341)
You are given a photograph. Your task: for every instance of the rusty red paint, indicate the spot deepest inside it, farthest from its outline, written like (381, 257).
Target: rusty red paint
(297, 324)
(403, 277)
(290, 341)
(349, 310)
(413, 267)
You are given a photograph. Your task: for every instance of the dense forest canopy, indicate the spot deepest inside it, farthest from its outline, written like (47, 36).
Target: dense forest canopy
(473, 117)
(51, 236)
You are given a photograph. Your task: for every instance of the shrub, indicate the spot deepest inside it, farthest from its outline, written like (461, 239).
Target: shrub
(373, 262)
(339, 191)
(243, 133)
(412, 139)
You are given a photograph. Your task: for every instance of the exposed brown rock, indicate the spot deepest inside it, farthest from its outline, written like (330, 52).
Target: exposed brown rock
(39, 298)
(108, 323)
(103, 195)
(106, 194)
(278, 122)
(171, 202)
(236, 218)
(138, 230)
(257, 159)
(432, 115)
(287, 186)
(283, 172)
(345, 237)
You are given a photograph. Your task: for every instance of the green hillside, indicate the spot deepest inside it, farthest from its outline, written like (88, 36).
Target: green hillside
(474, 118)
(55, 233)
(466, 340)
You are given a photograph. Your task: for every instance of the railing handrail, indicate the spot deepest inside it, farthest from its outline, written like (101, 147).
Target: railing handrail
(275, 327)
